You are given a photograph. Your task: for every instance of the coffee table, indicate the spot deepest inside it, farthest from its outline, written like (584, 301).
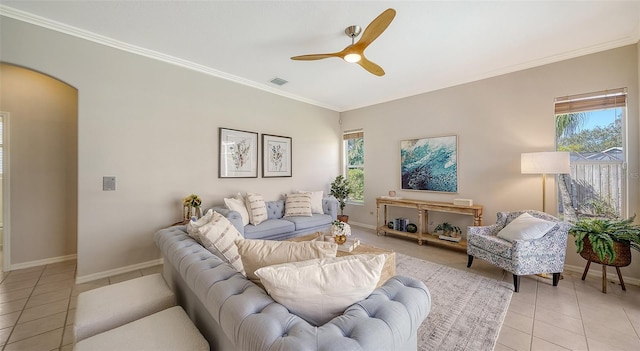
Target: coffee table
(389, 268)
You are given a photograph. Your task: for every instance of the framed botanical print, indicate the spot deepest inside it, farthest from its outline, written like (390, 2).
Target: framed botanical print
(430, 164)
(238, 155)
(276, 156)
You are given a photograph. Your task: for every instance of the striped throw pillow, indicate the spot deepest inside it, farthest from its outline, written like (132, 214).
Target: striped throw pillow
(219, 234)
(257, 208)
(298, 205)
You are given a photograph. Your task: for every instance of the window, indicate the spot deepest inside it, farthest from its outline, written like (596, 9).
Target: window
(354, 163)
(592, 128)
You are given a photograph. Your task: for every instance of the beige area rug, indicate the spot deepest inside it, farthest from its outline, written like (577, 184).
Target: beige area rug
(467, 310)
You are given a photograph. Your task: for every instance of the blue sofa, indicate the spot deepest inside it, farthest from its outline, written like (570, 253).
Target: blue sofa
(235, 314)
(279, 227)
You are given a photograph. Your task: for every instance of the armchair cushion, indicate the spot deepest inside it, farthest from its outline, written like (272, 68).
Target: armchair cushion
(525, 227)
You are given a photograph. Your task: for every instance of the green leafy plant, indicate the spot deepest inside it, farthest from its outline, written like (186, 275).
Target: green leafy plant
(447, 228)
(341, 189)
(602, 233)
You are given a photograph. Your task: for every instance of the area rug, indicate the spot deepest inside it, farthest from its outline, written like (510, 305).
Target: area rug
(467, 309)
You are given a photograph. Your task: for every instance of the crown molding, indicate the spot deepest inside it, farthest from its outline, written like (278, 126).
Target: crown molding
(27, 17)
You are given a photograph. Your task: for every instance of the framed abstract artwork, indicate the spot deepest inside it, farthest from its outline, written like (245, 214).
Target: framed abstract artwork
(238, 154)
(276, 156)
(430, 164)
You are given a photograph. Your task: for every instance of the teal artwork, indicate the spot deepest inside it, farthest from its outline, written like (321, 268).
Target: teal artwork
(430, 164)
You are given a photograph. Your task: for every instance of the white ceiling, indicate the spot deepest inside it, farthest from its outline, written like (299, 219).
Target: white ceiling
(428, 46)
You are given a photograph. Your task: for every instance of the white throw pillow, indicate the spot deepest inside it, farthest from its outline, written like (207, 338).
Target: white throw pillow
(220, 234)
(525, 227)
(297, 205)
(257, 208)
(238, 204)
(256, 254)
(193, 227)
(319, 290)
(316, 200)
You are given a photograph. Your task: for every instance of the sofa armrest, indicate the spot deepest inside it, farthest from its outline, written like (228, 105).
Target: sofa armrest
(330, 207)
(233, 216)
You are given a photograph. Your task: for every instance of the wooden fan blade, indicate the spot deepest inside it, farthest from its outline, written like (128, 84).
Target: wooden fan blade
(371, 67)
(315, 56)
(375, 28)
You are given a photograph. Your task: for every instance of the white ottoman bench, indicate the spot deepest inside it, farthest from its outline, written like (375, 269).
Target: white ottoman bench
(114, 305)
(167, 330)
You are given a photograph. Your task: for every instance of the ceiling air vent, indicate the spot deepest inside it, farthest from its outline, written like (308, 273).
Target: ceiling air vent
(279, 81)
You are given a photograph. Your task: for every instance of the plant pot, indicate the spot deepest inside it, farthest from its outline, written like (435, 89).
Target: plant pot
(343, 218)
(623, 254)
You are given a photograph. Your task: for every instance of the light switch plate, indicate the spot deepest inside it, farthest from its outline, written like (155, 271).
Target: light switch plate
(109, 183)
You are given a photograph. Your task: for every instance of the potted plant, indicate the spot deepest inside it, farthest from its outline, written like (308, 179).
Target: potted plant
(448, 229)
(606, 241)
(341, 189)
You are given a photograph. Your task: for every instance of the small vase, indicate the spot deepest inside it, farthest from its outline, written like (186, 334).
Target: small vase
(340, 239)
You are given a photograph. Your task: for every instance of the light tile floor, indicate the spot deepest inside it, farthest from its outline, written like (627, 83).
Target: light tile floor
(37, 305)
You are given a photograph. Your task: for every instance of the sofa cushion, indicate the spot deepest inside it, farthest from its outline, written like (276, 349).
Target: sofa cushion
(316, 200)
(297, 205)
(275, 209)
(256, 254)
(525, 227)
(193, 226)
(269, 228)
(238, 204)
(256, 208)
(310, 222)
(319, 290)
(219, 234)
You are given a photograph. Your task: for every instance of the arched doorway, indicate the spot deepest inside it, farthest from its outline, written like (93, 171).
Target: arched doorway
(42, 144)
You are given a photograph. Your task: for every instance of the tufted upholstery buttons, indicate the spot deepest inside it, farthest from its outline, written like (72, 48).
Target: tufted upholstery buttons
(252, 320)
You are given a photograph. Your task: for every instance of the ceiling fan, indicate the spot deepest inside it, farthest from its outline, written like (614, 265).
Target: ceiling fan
(354, 53)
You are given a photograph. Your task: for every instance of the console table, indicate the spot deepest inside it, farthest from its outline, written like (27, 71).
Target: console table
(423, 208)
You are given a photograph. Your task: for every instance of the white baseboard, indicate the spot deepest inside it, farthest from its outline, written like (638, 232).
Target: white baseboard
(597, 273)
(52, 260)
(367, 226)
(121, 270)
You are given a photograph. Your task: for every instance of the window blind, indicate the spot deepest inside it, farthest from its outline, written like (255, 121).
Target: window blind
(353, 135)
(592, 101)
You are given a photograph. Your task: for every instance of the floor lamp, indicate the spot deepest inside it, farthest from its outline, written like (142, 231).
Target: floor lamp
(554, 162)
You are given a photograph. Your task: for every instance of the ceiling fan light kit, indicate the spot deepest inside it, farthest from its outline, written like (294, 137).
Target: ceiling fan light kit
(354, 53)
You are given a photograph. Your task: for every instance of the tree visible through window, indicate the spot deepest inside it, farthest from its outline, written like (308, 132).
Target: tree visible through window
(354, 164)
(591, 127)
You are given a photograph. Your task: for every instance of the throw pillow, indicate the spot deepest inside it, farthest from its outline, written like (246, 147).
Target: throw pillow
(297, 205)
(321, 289)
(256, 254)
(220, 234)
(194, 225)
(525, 227)
(238, 204)
(316, 200)
(257, 208)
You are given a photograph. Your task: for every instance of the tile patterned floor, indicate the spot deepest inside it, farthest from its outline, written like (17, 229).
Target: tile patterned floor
(37, 305)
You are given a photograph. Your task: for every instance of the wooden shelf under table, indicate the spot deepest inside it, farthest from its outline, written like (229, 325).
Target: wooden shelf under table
(429, 238)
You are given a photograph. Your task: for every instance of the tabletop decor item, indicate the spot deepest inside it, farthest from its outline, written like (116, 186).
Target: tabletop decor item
(191, 206)
(449, 231)
(340, 231)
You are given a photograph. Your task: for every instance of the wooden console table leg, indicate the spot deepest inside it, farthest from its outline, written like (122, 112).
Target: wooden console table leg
(385, 217)
(420, 226)
(378, 219)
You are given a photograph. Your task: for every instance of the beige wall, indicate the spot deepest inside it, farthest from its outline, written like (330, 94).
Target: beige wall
(155, 127)
(43, 164)
(496, 120)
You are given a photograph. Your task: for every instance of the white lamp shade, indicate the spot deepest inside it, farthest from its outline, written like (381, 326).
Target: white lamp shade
(556, 162)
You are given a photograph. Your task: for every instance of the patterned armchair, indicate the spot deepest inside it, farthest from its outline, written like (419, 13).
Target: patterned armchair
(520, 257)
